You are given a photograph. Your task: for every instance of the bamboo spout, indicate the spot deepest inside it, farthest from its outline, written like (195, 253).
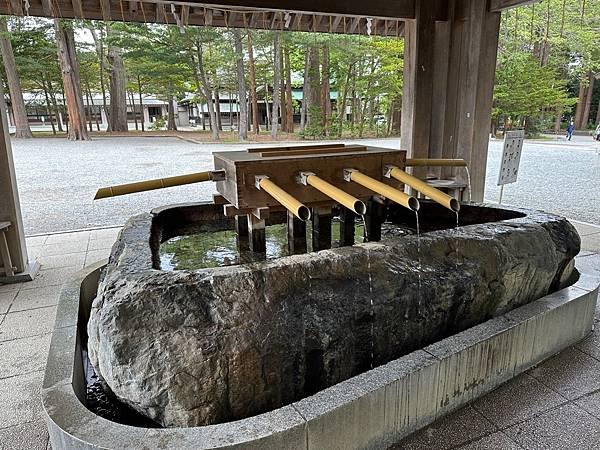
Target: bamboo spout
(435, 162)
(159, 183)
(290, 203)
(349, 201)
(383, 189)
(434, 194)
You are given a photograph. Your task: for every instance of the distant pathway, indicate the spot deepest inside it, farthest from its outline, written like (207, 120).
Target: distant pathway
(58, 178)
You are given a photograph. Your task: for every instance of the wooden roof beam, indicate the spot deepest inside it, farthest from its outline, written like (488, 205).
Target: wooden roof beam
(501, 5)
(402, 9)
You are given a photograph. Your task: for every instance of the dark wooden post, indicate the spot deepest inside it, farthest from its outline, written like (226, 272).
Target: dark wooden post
(347, 227)
(296, 233)
(256, 234)
(321, 228)
(241, 234)
(373, 220)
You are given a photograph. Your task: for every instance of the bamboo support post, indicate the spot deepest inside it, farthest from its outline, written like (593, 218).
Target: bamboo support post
(290, 203)
(159, 183)
(434, 194)
(382, 189)
(321, 229)
(296, 233)
(435, 162)
(341, 197)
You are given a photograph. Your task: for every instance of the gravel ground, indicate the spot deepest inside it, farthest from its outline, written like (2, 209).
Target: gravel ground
(57, 178)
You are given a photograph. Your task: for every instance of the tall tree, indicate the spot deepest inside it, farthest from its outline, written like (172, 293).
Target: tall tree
(67, 58)
(276, 83)
(117, 87)
(252, 77)
(22, 129)
(325, 89)
(289, 106)
(241, 79)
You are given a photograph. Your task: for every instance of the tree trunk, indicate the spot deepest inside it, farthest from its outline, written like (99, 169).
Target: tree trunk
(342, 106)
(88, 110)
(171, 124)
(218, 110)
(48, 106)
(132, 101)
(14, 84)
(276, 83)
(305, 91)
(102, 66)
(588, 101)
(325, 90)
(241, 80)
(282, 95)
(231, 112)
(252, 75)
(314, 116)
(118, 91)
(69, 66)
(199, 64)
(57, 112)
(139, 83)
(289, 106)
(557, 119)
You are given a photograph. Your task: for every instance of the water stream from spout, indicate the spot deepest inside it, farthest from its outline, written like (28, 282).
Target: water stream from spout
(457, 240)
(468, 185)
(419, 261)
(372, 312)
(365, 233)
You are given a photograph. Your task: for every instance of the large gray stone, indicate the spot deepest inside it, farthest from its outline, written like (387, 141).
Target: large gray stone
(191, 348)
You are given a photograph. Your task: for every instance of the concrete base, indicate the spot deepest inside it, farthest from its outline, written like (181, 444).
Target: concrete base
(372, 410)
(29, 274)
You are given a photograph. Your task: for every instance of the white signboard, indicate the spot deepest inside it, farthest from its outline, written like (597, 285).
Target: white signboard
(511, 156)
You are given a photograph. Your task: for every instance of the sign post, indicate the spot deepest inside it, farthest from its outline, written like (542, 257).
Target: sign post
(511, 157)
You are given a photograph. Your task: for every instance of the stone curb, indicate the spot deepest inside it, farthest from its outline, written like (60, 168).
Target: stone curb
(372, 410)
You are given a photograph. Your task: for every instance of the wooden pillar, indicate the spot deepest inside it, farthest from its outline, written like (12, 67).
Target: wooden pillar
(256, 235)
(449, 67)
(373, 220)
(241, 234)
(296, 233)
(347, 227)
(321, 229)
(10, 209)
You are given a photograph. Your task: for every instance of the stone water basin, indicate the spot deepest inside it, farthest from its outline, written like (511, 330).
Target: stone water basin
(187, 348)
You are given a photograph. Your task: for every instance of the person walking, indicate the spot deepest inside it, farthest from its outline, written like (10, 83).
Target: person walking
(570, 129)
(597, 132)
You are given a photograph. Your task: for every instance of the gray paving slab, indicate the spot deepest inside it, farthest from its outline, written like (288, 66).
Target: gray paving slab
(64, 260)
(96, 255)
(571, 373)
(521, 398)
(6, 299)
(36, 240)
(21, 399)
(28, 323)
(494, 441)
(585, 229)
(589, 264)
(26, 436)
(101, 244)
(591, 344)
(78, 237)
(9, 287)
(63, 248)
(590, 403)
(105, 233)
(565, 427)
(465, 425)
(591, 242)
(24, 355)
(50, 277)
(36, 298)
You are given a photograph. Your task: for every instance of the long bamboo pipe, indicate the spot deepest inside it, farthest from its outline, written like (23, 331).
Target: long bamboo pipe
(383, 189)
(159, 183)
(349, 201)
(291, 204)
(435, 162)
(434, 194)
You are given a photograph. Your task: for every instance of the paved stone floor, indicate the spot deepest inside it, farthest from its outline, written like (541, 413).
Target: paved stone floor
(553, 406)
